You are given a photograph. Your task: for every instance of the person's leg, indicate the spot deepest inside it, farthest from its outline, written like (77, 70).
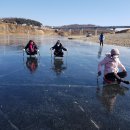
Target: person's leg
(35, 52)
(121, 75)
(102, 43)
(62, 54)
(110, 77)
(58, 54)
(27, 52)
(55, 53)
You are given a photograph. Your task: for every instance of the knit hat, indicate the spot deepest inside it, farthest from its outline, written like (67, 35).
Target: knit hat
(115, 52)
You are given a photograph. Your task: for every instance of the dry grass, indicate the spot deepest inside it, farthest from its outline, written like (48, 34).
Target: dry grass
(121, 39)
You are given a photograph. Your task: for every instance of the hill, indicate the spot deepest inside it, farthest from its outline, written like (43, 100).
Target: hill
(73, 26)
(9, 28)
(82, 29)
(21, 21)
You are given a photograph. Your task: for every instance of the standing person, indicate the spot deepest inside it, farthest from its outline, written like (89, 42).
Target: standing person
(58, 49)
(111, 63)
(31, 48)
(101, 39)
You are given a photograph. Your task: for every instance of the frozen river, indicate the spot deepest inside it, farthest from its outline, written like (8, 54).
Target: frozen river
(46, 94)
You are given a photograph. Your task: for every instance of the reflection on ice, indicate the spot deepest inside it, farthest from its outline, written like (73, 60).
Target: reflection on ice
(59, 66)
(32, 63)
(100, 52)
(108, 94)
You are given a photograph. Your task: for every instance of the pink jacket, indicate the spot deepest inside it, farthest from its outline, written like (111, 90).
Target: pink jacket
(110, 65)
(31, 48)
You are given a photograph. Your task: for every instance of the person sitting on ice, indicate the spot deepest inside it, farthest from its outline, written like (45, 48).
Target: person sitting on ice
(111, 64)
(58, 49)
(31, 48)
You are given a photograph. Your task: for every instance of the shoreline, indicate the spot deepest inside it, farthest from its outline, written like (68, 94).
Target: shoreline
(120, 39)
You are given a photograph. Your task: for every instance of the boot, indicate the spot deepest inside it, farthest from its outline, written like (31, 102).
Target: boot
(125, 81)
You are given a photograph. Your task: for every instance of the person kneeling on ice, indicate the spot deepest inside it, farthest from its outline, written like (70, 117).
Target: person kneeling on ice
(111, 63)
(58, 49)
(31, 48)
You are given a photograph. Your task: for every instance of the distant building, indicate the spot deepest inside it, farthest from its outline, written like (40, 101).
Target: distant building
(24, 24)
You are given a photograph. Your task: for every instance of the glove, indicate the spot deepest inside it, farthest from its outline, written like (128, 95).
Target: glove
(99, 73)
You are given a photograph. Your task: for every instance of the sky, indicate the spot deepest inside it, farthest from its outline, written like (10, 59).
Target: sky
(65, 12)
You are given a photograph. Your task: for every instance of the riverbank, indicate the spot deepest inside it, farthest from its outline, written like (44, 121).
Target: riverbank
(120, 39)
(14, 29)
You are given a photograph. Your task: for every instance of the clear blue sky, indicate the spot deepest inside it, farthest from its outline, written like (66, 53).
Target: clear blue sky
(63, 12)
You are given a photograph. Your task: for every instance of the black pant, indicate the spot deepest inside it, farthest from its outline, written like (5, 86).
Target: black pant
(58, 53)
(31, 53)
(112, 77)
(101, 42)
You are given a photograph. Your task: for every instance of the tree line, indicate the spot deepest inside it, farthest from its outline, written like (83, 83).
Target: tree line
(22, 21)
